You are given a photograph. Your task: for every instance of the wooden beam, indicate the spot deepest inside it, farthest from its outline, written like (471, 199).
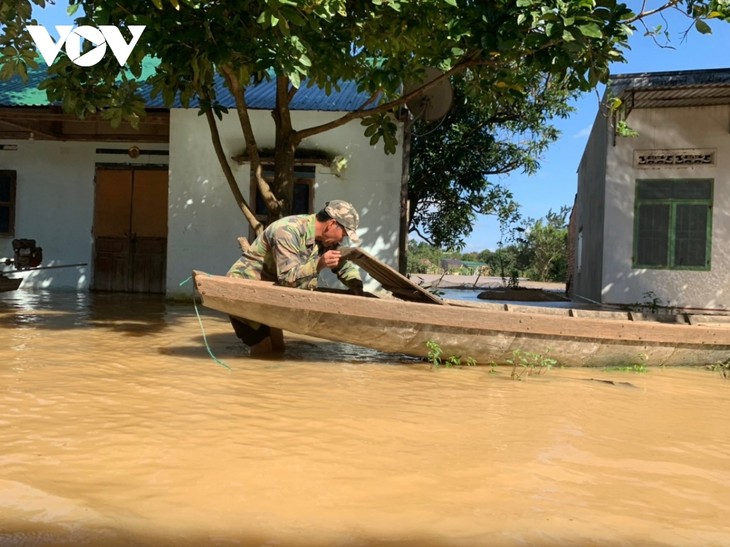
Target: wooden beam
(31, 129)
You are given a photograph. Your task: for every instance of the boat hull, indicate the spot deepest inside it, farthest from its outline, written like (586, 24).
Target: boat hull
(486, 333)
(9, 284)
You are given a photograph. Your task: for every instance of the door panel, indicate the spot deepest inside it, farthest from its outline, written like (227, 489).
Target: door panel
(130, 230)
(111, 263)
(113, 201)
(149, 231)
(149, 204)
(149, 264)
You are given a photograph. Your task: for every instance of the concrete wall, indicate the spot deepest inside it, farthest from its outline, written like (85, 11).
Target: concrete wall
(204, 222)
(55, 204)
(668, 128)
(588, 216)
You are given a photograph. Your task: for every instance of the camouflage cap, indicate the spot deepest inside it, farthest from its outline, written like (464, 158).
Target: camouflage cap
(346, 215)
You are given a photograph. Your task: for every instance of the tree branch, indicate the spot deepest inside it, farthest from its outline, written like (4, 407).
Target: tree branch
(230, 178)
(239, 95)
(643, 14)
(469, 60)
(423, 237)
(225, 166)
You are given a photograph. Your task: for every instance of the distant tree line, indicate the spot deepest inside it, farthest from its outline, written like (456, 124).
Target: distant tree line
(535, 249)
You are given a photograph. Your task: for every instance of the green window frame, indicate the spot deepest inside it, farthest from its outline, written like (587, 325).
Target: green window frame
(7, 202)
(673, 224)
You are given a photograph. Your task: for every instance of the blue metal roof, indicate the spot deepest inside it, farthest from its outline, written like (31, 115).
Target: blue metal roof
(262, 96)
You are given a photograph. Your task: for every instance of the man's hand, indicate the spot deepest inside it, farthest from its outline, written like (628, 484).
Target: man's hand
(330, 259)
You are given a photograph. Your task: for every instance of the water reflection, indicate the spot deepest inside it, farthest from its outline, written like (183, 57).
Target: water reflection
(117, 428)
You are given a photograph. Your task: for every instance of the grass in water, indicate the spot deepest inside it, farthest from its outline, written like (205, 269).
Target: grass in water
(435, 353)
(526, 363)
(639, 366)
(723, 367)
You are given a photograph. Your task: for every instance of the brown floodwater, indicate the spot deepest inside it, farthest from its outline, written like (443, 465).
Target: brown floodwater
(117, 427)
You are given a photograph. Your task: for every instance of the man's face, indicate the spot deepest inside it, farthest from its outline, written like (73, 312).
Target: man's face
(333, 233)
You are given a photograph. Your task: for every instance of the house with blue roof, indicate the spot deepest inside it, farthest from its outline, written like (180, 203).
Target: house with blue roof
(141, 208)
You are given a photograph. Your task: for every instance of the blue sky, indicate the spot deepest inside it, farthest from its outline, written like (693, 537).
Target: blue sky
(554, 185)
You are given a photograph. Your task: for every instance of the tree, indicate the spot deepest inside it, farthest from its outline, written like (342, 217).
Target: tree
(546, 246)
(505, 44)
(485, 134)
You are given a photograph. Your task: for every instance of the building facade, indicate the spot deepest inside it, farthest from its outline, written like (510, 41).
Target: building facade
(651, 218)
(139, 209)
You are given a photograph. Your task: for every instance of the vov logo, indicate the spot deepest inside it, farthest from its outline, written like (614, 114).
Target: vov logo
(99, 36)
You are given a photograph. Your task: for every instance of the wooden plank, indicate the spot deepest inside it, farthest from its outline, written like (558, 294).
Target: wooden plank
(390, 279)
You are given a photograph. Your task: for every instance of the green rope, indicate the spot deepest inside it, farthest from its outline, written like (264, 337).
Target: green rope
(202, 330)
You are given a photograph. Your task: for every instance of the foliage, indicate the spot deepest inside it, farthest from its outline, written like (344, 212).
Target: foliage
(504, 46)
(536, 249)
(723, 367)
(426, 259)
(640, 365)
(453, 161)
(435, 352)
(526, 363)
(652, 304)
(544, 246)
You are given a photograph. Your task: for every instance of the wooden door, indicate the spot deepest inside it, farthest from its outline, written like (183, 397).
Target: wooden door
(130, 230)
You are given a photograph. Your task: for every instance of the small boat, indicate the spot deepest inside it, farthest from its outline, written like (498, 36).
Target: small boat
(27, 257)
(412, 321)
(9, 283)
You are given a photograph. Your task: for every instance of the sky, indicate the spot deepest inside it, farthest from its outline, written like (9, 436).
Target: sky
(555, 183)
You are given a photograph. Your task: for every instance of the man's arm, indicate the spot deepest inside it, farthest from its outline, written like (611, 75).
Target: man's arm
(349, 274)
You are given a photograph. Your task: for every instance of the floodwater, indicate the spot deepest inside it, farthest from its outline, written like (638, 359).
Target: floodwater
(117, 428)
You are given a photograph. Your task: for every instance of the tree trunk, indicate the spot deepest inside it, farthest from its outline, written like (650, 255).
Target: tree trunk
(285, 146)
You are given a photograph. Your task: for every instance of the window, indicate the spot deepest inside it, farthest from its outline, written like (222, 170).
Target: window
(673, 224)
(303, 191)
(7, 202)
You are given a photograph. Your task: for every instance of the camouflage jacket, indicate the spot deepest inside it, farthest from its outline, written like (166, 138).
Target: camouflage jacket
(287, 253)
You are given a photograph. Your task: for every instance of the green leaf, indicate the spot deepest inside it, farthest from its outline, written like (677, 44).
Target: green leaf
(702, 27)
(592, 30)
(451, 2)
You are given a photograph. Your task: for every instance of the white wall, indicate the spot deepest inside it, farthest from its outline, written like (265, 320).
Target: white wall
(588, 213)
(668, 128)
(55, 205)
(204, 222)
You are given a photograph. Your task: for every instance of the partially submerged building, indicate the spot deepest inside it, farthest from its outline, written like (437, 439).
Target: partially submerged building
(651, 221)
(142, 208)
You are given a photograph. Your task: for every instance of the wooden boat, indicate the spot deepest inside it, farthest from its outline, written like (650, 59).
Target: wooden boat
(27, 257)
(485, 332)
(9, 283)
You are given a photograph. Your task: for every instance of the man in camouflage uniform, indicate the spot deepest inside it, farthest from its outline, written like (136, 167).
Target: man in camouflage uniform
(291, 252)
